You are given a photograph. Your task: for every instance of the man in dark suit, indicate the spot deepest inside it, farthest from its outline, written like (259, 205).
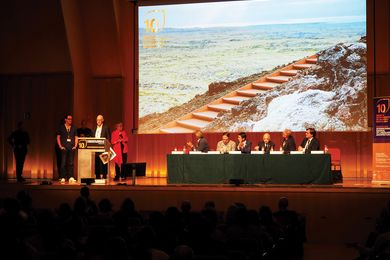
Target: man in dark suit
(288, 142)
(19, 140)
(100, 131)
(201, 143)
(266, 145)
(243, 145)
(310, 142)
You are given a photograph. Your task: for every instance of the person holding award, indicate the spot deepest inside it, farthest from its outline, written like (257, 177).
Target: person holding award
(100, 131)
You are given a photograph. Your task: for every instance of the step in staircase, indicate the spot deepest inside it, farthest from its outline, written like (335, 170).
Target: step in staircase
(203, 116)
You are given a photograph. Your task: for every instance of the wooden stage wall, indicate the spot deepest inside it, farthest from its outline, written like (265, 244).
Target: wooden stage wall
(333, 214)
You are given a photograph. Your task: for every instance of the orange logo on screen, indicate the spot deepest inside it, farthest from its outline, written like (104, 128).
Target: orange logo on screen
(155, 21)
(382, 105)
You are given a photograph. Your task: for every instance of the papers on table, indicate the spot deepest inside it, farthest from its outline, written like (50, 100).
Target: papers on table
(177, 152)
(257, 152)
(196, 152)
(317, 152)
(296, 152)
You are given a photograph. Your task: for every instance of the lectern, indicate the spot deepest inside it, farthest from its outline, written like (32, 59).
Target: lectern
(88, 146)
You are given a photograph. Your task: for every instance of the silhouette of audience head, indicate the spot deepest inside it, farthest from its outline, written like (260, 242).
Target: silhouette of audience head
(24, 199)
(185, 206)
(105, 206)
(128, 205)
(209, 205)
(283, 203)
(265, 215)
(182, 252)
(84, 192)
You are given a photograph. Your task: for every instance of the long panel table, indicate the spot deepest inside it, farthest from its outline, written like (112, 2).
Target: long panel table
(252, 168)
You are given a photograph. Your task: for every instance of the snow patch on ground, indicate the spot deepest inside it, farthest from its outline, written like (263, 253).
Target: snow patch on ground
(296, 110)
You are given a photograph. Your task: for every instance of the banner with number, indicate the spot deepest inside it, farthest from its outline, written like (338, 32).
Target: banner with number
(382, 120)
(381, 144)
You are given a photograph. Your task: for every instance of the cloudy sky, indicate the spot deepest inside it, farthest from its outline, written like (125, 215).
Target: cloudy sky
(252, 12)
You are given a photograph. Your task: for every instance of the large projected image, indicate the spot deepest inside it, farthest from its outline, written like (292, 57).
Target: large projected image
(259, 65)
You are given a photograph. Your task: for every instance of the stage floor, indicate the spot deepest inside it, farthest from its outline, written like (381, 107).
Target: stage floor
(161, 182)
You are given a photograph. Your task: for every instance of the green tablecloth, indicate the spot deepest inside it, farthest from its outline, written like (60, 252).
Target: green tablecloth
(252, 168)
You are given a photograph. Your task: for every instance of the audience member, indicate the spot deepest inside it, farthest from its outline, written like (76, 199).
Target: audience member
(103, 233)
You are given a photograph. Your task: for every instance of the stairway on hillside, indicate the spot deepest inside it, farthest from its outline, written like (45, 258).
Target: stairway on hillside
(203, 116)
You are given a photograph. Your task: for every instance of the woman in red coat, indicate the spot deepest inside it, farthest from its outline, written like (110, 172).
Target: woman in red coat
(119, 142)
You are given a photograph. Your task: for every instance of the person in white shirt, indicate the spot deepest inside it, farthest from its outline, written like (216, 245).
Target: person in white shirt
(266, 145)
(100, 131)
(310, 142)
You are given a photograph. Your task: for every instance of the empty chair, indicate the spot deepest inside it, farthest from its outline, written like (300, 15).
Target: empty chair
(336, 165)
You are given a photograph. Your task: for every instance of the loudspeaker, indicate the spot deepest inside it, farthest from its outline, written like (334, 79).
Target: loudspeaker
(337, 176)
(236, 182)
(87, 181)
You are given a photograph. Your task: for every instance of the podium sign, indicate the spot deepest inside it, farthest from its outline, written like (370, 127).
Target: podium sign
(92, 143)
(381, 144)
(88, 146)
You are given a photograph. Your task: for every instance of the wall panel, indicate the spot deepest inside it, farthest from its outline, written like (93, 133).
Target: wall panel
(40, 101)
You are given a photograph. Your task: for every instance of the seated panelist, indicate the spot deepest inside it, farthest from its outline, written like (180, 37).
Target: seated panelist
(266, 145)
(310, 142)
(226, 145)
(243, 145)
(288, 142)
(201, 143)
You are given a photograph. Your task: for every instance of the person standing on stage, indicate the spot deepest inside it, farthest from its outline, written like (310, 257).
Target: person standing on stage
(201, 143)
(226, 145)
(119, 141)
(84, 131)
(266, 145)
(67, 141)
(100, 131)
(288, 142)
(19, 140)
(310, 142)
(243, 145)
